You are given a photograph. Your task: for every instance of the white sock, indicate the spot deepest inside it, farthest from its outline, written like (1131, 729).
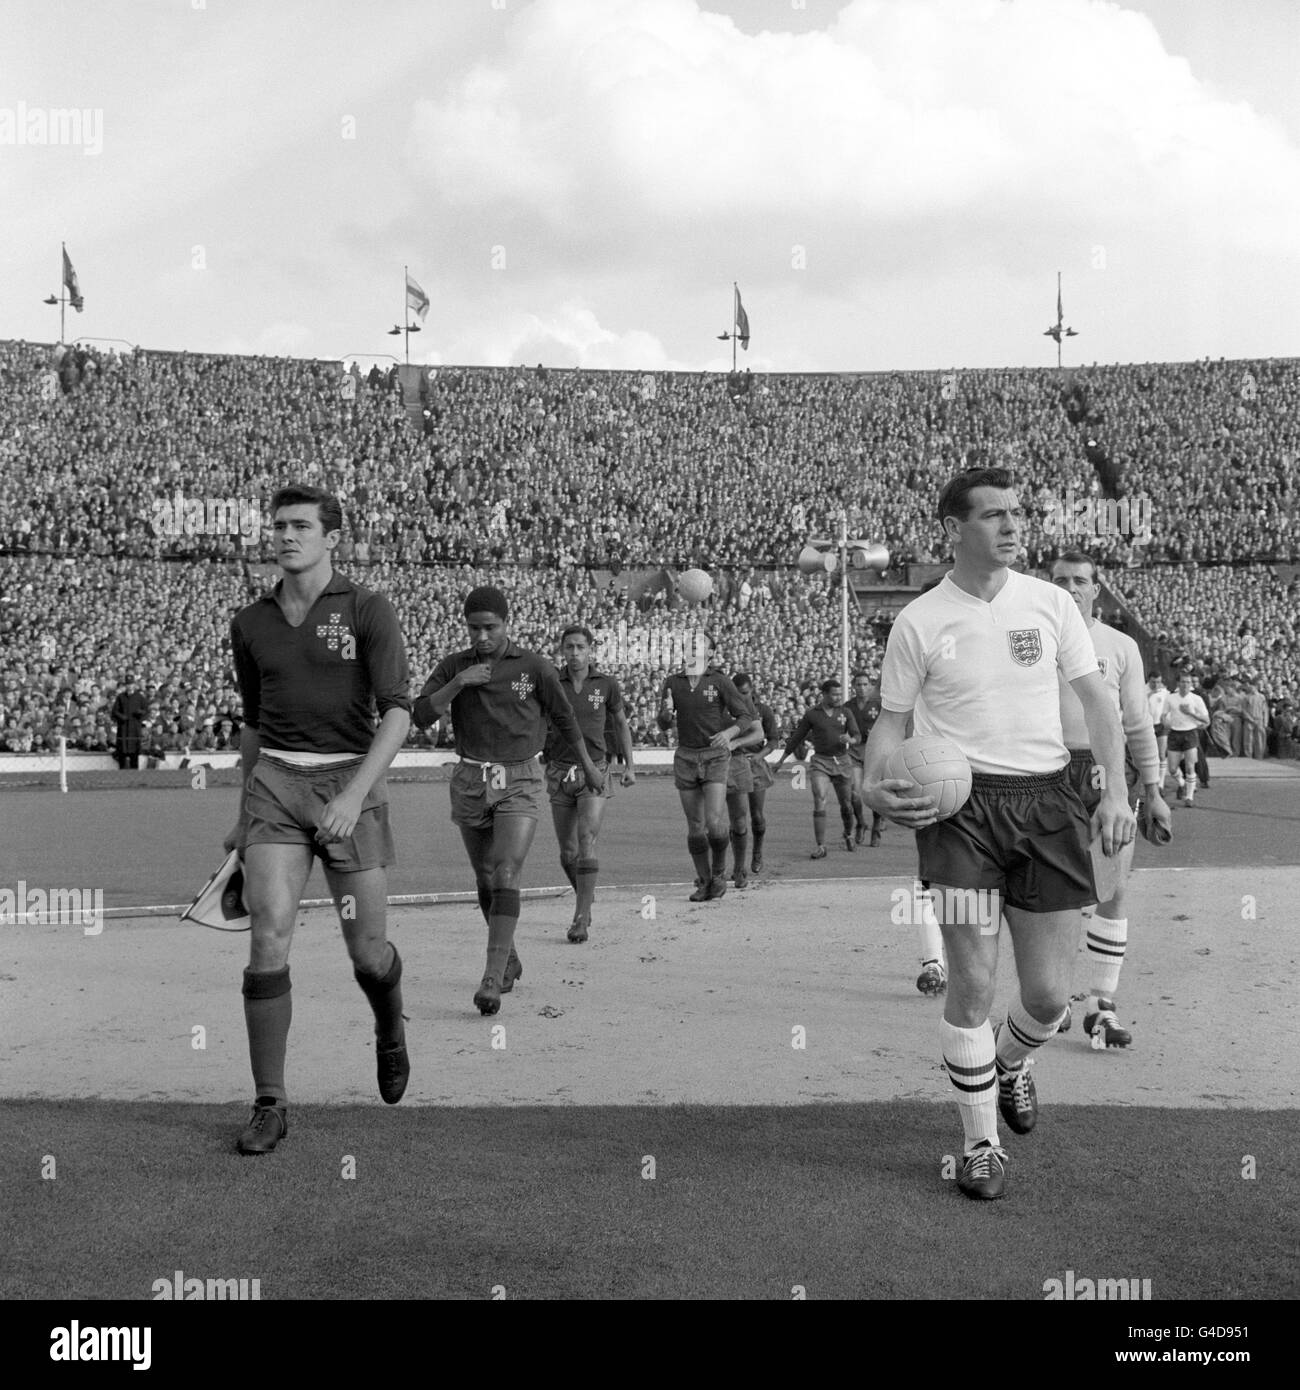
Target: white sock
(968, 1057)
(1022, 1034)
(1105, 943)
(928, 931)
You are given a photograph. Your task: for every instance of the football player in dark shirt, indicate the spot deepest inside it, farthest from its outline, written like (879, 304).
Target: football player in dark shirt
(316, 659)
(760, 743)
(577, 811)
(833, 732)
(710, 712)
(501, 697)
(865, 709)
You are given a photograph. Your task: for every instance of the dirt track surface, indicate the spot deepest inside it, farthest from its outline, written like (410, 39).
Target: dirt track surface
(699, 1004)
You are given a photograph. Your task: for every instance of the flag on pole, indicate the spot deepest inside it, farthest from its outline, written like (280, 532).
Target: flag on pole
(70, 281)
(742, 322)
(415, 297)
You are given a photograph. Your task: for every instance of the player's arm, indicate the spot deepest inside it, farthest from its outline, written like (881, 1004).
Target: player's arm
(1112, 818)
(555, 705)
(437, 693)
(248, 678)
(384, 656)
(742, 716)
(771, 736)
(751, 732)
(750, 736)
(883, 794)
(665, 716)
(622, 731)
(1140, 735)
(902, 678)
(802, 730)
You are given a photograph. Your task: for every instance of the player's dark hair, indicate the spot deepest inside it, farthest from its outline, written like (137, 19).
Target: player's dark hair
(1079, 557)
(742, 678)
(580, 630)
(831, 684)
(860, 676)
(954, 500)
(328, 507)
(487, 599)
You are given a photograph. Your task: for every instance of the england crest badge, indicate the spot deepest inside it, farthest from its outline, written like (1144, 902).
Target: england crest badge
(1026, 645)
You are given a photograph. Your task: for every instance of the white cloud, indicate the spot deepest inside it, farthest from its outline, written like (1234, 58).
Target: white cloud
(571, 336)
(620, 122)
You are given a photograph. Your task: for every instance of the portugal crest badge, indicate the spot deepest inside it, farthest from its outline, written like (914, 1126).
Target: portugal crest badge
(1026, 645)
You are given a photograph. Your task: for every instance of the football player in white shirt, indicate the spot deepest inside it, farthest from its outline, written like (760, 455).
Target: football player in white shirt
(1120, 664)
(1185, 713)
(1156, 694)
(976, 660)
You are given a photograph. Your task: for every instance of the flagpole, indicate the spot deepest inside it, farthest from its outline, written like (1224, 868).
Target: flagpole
(406, 310)
(63, 292)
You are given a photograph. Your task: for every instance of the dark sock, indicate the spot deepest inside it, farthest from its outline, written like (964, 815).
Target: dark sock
(268, 1011)
(859, 811)
(758, 828)
(385, 995)
(740, 850)
(585, 884)
(819, 827)
(501, 929)
(699, 848)
(718, 845)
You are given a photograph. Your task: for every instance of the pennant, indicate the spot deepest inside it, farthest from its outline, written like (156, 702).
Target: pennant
(220, 903)
(70, 281)
(742, 322)
(415, 297)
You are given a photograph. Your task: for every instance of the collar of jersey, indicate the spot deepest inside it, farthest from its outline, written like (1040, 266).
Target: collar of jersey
(953, 590)
(512, 649)
(565, 676)
(337, 585)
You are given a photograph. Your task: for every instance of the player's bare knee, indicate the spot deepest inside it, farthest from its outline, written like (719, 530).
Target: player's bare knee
(268, 948)
(967, 1007)
(369, 954)
(1045, 1004)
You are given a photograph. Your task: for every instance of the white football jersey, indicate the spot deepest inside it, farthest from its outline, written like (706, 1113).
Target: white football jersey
(985, 674)
(1119, 662)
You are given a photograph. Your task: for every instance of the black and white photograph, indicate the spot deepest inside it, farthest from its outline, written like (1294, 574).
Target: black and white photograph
(651, 654)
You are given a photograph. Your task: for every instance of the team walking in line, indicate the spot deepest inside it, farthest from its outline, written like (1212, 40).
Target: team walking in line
(1048, 704)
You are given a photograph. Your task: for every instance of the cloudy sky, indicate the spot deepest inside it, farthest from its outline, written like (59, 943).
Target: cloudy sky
(893, 183)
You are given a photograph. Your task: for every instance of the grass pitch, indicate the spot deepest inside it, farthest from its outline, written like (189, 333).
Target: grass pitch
(747, 1202)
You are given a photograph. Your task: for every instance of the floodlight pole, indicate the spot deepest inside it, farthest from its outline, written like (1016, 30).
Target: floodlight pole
(844, 602)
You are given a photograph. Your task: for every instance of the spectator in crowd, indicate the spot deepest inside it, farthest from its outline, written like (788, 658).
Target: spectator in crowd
(129, 712)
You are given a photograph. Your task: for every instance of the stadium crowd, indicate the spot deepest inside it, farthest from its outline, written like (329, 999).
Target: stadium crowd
(558, 468)
(545, 482)
(77, 629)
